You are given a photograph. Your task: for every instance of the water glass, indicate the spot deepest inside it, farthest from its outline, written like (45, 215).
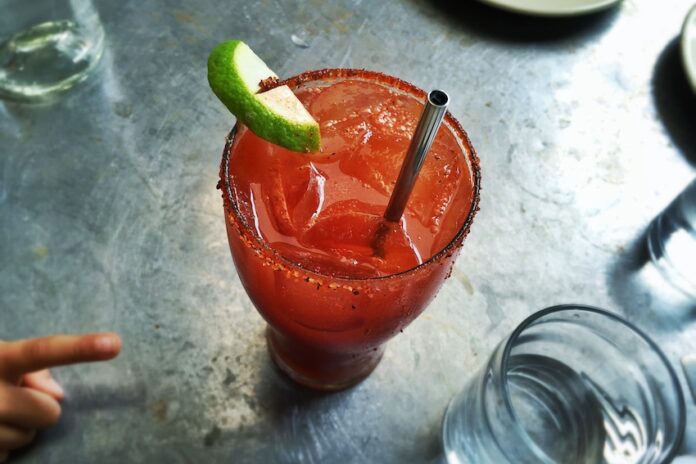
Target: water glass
(46, 46)
(572, 384)
(672, 241)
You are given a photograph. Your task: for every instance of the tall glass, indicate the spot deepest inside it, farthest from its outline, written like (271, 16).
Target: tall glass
(46, 46)
(672, 241)
(324, 331)
(571, 384)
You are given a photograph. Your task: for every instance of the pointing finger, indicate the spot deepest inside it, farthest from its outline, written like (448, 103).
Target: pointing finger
(25, 356)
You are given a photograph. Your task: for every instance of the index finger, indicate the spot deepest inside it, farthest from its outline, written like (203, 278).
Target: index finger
(24, 356)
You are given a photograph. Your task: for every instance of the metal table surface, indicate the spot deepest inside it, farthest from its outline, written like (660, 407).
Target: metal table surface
(111, 219)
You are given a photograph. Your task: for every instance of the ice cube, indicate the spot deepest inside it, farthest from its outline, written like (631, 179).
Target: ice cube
(277, 202)
(308, 205)
(349, 229)
(439, 180)
(378, 162)
(295, 194)
(348, 99)
(325, 263)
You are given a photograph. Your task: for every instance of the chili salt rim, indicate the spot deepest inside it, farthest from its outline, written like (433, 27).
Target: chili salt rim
(276, 259)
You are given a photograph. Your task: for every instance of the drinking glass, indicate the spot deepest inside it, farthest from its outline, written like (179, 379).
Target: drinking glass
(672, 241)
(46, 46)
(324, 331)
(571, 384)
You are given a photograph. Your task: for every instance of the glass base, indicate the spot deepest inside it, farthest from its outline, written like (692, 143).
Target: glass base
(672, 249)
(47, 59)
(321, 370)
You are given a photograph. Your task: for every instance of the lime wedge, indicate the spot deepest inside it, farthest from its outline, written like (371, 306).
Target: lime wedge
(235, 73)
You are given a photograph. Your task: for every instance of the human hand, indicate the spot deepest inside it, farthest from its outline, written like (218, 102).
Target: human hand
(28, 393)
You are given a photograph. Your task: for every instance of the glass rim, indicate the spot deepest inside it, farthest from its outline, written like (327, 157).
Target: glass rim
(530, 320)
(467, 149)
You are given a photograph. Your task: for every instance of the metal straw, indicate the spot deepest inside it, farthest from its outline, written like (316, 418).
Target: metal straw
(430, 119)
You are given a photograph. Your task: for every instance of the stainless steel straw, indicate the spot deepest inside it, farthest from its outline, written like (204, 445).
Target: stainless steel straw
(430, 119)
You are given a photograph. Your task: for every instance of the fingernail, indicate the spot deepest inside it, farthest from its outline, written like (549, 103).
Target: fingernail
(106, 344)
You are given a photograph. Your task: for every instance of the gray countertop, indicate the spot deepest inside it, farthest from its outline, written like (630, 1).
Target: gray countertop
(111, 219)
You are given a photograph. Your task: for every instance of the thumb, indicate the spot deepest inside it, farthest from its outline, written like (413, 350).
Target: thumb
(44, 382)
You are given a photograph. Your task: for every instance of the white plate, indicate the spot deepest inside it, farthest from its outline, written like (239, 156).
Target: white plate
(688, 47)
(552, 7)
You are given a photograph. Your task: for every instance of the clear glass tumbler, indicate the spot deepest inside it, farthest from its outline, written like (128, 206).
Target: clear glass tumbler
(46, 46)
(672, 241)
(571, 384)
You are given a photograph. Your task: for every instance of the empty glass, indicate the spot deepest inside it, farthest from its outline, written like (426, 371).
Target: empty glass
(672, 241)
(572, 384)
(46, 46)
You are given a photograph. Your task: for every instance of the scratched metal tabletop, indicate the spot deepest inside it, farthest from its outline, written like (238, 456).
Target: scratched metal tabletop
(110, 219)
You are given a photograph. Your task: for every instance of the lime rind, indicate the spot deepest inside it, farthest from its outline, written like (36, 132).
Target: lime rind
(234, 74)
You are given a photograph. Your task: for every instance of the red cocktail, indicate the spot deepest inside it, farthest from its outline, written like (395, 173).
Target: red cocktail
(302, 227)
